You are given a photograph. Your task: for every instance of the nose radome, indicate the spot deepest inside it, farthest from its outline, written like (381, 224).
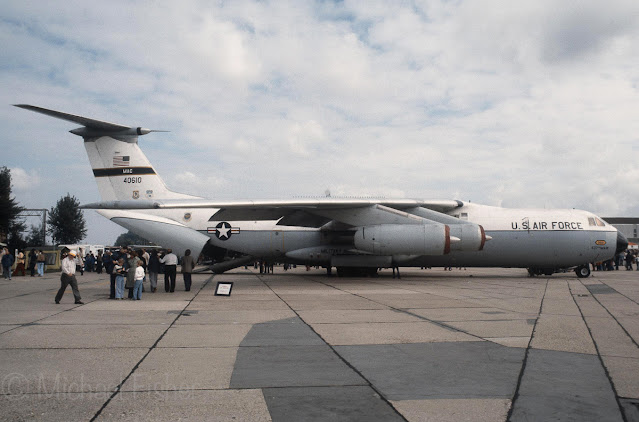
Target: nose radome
(622, 242)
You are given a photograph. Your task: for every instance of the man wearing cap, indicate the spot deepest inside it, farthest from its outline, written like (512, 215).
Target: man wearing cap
(68, 277)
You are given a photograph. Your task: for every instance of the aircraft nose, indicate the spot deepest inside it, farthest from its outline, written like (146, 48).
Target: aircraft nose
(622, 242)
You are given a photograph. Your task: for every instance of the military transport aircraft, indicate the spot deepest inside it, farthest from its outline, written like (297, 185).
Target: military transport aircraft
(353, 235)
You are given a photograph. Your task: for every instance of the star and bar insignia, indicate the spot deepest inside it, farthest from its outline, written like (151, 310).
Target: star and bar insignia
(223, 230)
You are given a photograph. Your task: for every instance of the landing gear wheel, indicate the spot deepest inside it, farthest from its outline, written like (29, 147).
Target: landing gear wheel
(583, 271)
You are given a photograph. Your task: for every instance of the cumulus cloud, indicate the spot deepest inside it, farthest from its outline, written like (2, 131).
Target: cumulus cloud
(189, 182)
(23, 180)
(303, 136)
(524, 104)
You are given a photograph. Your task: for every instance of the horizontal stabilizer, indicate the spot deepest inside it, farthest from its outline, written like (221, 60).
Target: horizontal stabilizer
(84, 121)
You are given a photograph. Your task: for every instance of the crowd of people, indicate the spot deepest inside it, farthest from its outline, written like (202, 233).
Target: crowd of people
(128, 269)
(624, 259)
(36, 263)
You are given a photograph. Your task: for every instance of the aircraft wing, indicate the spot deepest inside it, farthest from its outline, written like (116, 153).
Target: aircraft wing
(390, 221)
(299, 212)
(322, 203)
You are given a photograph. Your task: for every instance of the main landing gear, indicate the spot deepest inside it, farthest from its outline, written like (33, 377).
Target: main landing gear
(583, 271)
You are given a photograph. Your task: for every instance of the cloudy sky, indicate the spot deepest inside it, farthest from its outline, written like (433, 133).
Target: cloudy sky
(519, 104)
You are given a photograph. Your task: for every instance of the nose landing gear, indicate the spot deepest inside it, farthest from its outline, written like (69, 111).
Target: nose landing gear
(583, 271)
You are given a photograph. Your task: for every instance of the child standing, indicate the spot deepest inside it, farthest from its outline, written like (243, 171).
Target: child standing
(139, 278)
(119, 271)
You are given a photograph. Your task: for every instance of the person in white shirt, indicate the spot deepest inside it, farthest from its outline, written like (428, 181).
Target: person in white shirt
(170, 268)
(79, 263)
(139, 279)
(68, 277)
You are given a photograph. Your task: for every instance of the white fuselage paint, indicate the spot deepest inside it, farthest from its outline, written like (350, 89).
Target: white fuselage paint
(520, 237)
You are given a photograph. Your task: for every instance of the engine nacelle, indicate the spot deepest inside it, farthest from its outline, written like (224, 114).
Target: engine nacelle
(472, 237)
(404, 239)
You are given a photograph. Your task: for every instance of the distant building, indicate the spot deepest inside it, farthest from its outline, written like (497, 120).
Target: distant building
(628, 226)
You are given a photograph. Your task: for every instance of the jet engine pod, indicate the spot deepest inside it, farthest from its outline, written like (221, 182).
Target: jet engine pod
(472, 237)
(404, 239)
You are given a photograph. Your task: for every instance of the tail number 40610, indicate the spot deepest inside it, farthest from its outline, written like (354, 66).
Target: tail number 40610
(132, 180)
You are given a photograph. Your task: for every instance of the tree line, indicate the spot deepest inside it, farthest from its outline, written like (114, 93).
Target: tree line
(65, 222)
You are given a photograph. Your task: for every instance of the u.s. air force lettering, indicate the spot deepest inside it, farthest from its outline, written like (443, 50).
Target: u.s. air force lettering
(546, 225)
(223, 230)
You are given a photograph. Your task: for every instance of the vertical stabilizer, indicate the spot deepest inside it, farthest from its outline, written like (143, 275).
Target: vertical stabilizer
(123, 172)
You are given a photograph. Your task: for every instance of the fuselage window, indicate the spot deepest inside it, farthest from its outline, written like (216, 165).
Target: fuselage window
(591, 221)
(464, 216)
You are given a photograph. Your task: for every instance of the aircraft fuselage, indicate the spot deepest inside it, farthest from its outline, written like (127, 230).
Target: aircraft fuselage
(537, 238)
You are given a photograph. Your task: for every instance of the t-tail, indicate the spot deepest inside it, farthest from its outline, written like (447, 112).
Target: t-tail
(121, 169)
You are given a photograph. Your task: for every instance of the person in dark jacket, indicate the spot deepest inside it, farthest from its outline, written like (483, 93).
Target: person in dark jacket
(629, 259)
(188, 264)
(153, 268)
(33, 257)
(130, 275)
(109, 263)
(98, 262)
(7, 263)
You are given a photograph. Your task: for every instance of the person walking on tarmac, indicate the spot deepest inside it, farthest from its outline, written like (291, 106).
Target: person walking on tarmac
(79, 263)
(40, 263)
(7, 262)
(68, 277)
(188, 264)
(33, 256)
(20, 264)
(170, 262)
(629, 259)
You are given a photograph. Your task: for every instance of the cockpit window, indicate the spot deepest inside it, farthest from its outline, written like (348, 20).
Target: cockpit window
(591, 221)
(600, 223)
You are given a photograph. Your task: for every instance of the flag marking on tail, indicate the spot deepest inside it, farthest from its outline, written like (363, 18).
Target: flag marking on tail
(121, 161)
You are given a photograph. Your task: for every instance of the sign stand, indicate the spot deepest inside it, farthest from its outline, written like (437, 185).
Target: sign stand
(223, 288)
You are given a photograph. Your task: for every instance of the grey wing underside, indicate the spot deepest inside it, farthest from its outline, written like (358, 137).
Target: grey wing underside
(307, 213)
